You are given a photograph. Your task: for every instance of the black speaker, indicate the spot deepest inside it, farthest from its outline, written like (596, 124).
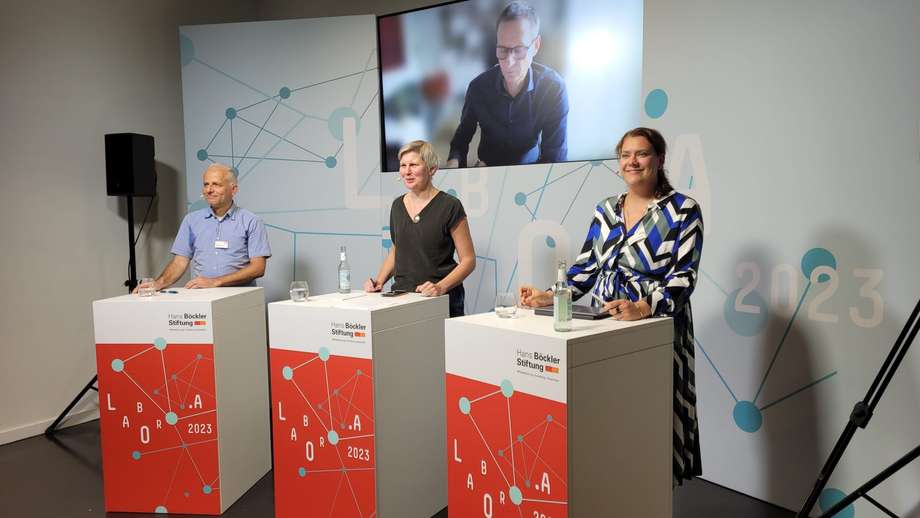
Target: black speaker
(129, 169)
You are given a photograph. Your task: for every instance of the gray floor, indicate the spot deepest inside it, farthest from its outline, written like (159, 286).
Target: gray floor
(63, 477)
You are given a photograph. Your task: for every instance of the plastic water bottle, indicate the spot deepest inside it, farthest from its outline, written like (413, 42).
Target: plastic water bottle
(562, 301)
(344, 273)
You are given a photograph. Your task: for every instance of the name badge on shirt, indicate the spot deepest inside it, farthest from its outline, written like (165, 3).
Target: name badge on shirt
(221, 244)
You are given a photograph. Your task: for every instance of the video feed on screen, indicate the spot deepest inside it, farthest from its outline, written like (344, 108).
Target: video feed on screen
(499, 83)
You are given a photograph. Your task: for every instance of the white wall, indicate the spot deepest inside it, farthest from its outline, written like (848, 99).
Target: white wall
(72, 72)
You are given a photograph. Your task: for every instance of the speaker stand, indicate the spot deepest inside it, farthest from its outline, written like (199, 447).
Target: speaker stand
(131, 283)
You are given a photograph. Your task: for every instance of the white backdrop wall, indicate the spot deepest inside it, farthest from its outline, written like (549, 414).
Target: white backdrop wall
(804, 117)
(795, 125)
(72, 72)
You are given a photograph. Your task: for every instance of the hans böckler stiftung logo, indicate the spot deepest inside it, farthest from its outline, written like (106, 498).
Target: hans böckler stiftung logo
(195, 321)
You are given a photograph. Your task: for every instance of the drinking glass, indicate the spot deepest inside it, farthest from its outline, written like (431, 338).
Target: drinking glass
(145, 288)
(299, 291)
(505, 305)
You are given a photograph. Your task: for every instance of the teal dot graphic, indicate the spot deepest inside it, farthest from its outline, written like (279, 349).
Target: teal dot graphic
(527, 483)
(206, 489)
(302, 472)
(520, 198)
(507, 388)
(136, 455)
(516, 496)
(549, 419)
(287, 373)
(333, 437)
(330, 162)
(550, 242)
(118, 365)
(520, 438)
(747, 416)
(230, 113)
(387, 243)
(656, 103)
(501, 453)
(465, 405)
(284, 93)
(359, 372)
(818, 257)
(171, 418)
(743, 323)
(174, 377)
(829, 497)
(159, 343)
(186, 49)
(202, 154)
(335, 121)
(452, 192)
(160, 509)
(323, 353)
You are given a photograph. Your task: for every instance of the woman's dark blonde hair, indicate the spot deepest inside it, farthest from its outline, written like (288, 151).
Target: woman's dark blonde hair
(425, 151)
(662, 185)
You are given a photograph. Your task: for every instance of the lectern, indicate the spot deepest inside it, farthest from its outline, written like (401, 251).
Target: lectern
(183, 397)
(358, 406)
(549, 425)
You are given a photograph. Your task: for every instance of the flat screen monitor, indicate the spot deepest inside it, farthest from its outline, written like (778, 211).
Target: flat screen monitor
(493, 83)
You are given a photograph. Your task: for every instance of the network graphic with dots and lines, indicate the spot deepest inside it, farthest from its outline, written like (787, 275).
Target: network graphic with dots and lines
(159, 420)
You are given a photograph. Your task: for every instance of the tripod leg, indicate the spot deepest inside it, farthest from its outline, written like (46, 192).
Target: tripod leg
(876, 480)
(89, 386)
(828, 469)
(863, 410)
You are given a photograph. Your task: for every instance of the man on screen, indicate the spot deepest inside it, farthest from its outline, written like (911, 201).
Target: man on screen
(226, 245)
(519, 106)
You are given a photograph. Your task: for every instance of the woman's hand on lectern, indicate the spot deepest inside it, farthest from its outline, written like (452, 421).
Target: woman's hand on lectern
(533, 297)
(624, 309)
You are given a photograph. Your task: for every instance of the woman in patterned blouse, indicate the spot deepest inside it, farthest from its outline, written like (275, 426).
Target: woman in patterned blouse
(641, 257)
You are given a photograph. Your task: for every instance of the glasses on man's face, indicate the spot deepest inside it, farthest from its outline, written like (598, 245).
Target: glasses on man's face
(518, 52)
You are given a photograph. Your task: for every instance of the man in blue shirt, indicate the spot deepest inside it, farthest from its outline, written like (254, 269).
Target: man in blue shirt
(225, 244)
(520, 106)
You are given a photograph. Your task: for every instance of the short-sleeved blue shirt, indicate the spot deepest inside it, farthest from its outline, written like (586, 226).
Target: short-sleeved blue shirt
(243, 231)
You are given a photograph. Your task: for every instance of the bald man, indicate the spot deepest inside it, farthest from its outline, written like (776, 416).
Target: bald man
(225, 244)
